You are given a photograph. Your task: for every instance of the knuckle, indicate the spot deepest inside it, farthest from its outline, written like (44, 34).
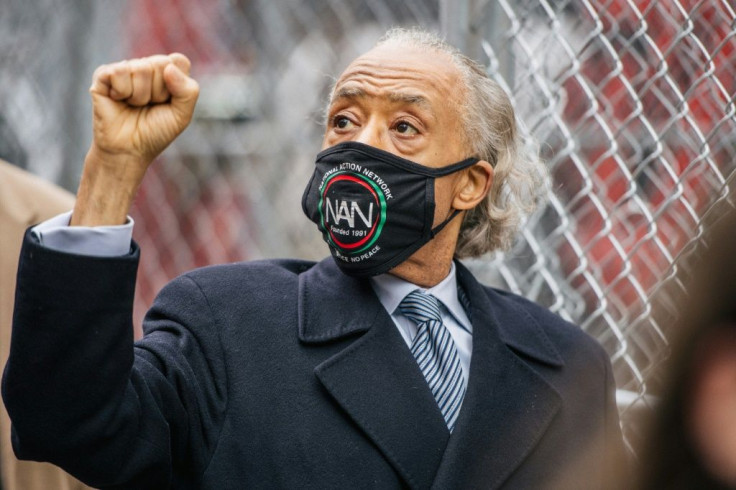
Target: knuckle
(139, 66)
(142, 72)
(158, 60)
(101, 72)
(120, 68)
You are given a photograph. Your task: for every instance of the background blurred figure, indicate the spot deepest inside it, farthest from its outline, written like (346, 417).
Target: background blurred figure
(692, 442)
(24, 200)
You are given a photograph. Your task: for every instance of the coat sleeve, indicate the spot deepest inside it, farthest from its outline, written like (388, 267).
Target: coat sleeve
(82, 396)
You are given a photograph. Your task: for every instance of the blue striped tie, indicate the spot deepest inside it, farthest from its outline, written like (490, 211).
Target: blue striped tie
(436, 354)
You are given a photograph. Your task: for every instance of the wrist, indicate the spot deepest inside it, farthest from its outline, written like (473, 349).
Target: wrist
(107, 188)
(122, 166)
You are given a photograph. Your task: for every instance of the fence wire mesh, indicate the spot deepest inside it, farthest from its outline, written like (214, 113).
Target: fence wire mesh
(631, 101)
(633, 104)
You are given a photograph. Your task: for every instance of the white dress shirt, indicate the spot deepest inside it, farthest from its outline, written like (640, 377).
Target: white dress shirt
(391, 290)
(110, 241)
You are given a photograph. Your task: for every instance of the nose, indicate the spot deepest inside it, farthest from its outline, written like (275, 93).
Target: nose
(371, 134)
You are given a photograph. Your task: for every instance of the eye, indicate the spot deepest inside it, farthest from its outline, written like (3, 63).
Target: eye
(405, 128)
(341, 122)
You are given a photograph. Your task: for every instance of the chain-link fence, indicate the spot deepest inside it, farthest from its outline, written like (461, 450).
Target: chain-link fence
(633, 104)
(631, 101)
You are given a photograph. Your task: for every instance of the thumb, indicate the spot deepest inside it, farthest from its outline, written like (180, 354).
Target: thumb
(179, 85)
(184, 90)
(181, 62)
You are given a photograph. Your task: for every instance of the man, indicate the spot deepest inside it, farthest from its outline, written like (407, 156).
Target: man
(385, 366)
(24, 200)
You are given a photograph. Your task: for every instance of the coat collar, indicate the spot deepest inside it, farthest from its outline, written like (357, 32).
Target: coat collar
(515, 326)
(376, 381)
(333, 305)
(328, 310)
(508, 405)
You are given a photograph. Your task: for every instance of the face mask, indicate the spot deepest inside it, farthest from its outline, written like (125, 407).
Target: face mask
(374, 209)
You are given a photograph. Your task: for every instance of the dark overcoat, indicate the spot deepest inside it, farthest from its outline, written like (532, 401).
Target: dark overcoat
(289, 374)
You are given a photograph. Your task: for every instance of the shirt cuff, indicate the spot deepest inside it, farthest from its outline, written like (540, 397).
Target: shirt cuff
(96, 241)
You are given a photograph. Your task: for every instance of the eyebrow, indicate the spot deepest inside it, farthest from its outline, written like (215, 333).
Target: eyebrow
(407, 98)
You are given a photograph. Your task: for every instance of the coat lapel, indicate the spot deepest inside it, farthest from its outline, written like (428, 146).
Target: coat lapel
(508, 406)
(375, 378)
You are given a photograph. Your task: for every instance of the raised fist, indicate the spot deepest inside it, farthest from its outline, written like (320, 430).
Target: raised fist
(140, 106)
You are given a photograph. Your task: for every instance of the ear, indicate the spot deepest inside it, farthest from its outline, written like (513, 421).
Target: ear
(473, 186)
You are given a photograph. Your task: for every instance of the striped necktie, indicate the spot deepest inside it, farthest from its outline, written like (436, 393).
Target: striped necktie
(436, 354)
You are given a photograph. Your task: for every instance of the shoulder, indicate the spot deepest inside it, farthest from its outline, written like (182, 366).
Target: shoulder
(517, 316)
(242, 282)
(256, 272)
(577, 349)
(532, 329)
(530, 309)
(228, 294)
(552, 323)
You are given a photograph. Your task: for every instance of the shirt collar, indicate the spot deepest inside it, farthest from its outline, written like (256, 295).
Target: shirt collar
(391, 290)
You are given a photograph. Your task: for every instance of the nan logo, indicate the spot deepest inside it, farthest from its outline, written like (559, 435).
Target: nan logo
(352, 211)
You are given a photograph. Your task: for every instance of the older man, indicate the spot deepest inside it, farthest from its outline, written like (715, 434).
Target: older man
(385, 366)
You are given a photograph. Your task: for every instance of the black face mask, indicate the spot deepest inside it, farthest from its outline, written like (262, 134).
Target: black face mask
(374, 209)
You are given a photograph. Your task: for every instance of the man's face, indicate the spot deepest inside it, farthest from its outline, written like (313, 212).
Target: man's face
(402, 100)
(408, 101)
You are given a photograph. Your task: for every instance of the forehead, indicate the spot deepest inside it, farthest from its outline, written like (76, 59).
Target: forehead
(399, 72)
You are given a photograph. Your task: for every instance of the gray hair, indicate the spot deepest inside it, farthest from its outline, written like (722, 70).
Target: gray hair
(520, 177)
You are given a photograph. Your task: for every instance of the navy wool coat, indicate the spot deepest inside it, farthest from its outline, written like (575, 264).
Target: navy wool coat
(289, 374)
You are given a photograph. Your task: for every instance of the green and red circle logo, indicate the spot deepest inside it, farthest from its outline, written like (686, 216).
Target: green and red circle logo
(352, 211)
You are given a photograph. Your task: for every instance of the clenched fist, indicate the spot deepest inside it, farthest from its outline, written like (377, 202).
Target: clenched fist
(139, 107)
